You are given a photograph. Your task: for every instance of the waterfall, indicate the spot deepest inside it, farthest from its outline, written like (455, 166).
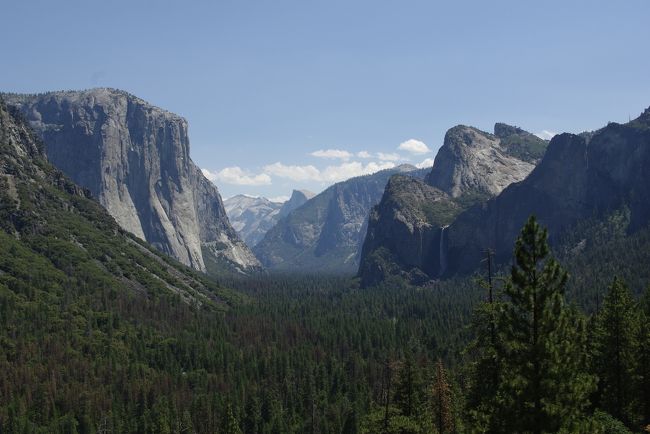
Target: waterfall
(443, 253)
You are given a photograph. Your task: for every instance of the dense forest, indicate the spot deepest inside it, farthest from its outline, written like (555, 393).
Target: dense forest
(101, 334)
(319, 355)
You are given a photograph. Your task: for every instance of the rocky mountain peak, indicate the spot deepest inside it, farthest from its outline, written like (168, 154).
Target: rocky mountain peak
(251, 216)
(302, 194)
(563, 147)
(472, 161)
(502, 130)
(644, 118)
(297, 199)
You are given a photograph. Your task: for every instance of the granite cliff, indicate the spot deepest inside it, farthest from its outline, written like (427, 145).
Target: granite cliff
(297, 199)
(404, 231)
(135, 159)
(56, 240)
(407, 230)
(583, 180)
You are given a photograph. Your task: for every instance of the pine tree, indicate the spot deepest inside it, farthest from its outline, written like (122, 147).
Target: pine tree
(543, 349)
(442, 401)
(253, 415)
(408, 387)
(643, 358)
(351, 424)
(485, 370)
(230, 425)
(615, 352)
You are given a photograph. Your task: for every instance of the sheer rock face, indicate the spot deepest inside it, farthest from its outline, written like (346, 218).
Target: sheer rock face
(66, 231)
(326, 233)
(471, 160)
(406, 231)
(134, 158)
(580, 178)
(297, 199)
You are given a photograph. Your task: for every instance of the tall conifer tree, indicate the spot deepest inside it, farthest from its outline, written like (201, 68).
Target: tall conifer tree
(541, 347)
(442, 401)
(615, 352)
(643, 358)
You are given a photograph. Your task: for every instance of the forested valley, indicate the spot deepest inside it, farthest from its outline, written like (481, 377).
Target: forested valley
(317, 354)
(102, 333)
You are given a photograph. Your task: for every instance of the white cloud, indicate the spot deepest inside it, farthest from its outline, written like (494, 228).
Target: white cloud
(332, 153)
(279, 199)
(235, 175)
(383, 156)
(364, 154)
(545, 134)
(414, 147)
(352, 169)
(295, 173)
(388, 157)
(425, 163)
(329, 174)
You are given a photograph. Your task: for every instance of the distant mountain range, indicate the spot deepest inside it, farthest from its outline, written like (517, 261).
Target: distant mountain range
(135, 159)
(252, 217)
(325, 234)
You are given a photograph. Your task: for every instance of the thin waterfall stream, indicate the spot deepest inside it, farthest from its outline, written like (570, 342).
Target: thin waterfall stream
(442, 254)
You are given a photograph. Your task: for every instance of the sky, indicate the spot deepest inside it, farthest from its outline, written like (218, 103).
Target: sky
(300, 94)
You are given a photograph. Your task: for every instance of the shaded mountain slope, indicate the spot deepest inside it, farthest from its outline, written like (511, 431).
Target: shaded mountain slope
(326, 233)
(578, 181)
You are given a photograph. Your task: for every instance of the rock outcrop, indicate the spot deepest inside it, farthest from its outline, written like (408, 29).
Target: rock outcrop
(475, 162)
(135, 159)
(326, 233)
(404, 230)
(581, 178)
(297, 199)
(407, 230)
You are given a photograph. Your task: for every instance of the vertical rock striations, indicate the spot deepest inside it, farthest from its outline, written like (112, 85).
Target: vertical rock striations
(135, 160)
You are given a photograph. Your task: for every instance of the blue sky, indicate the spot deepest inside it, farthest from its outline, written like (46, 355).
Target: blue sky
(265, 85)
